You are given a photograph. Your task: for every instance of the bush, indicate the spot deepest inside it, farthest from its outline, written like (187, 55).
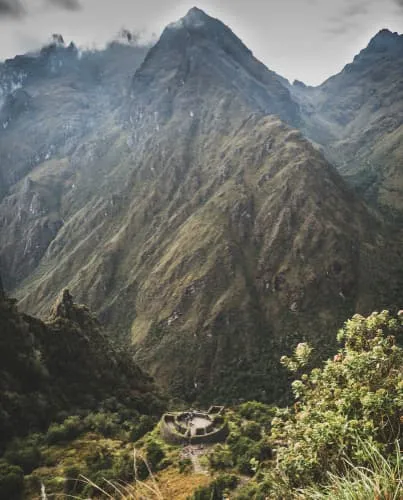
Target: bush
(221, 458)
(145, 424)
(123, 468)
(356, 397)
(24, 454)
(185, 466)
(70, 429)
(381, 480)
(100, 459)
(216, 489)
(250, 490)
(72, 482)
(11, 481)
(107, 424)
(154, 454)
(252, 430)
(257, 412)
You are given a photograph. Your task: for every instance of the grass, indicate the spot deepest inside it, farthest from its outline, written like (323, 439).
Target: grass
(381, 479)
(168, 484)
(121, 490)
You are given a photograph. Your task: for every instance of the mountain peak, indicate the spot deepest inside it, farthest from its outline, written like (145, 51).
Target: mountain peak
(196, 14)
(386, 40)
(194, 19)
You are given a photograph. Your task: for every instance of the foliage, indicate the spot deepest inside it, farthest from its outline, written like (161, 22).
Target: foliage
(185, 465)
(66, 431)
(60, 371)
(382, 478)
(11, 481)
(357, 396)
(216, 489)
(247, 444)
(300, 357)
(154, 454)
(25, 453)
(257, 412)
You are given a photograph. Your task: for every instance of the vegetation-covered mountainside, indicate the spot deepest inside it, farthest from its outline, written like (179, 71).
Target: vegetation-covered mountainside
(51, 104)
(357, 118)
(61, 366)
(187, 212)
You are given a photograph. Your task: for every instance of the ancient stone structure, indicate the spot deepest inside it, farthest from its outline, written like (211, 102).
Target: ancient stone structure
(195, 427)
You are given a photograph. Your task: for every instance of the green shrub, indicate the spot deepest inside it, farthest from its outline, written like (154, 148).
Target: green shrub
(72, 483)
(185, 465)
(221, 458)
(24, 454)
(356, 397)
(382, 479)
(252, 430)
(141, 426)
(250, 490)
(123, 467)
(69, 430)
(154, 454)
(257, 412)
(101, 459)
(216, 489)
(107, 424)
(11, 481)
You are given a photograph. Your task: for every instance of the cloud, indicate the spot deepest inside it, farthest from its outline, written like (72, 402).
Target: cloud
(11, 8)
(66, 4)
(18, 9)
(349, 16)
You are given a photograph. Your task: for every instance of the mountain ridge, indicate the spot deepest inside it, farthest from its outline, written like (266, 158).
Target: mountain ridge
(194, 219)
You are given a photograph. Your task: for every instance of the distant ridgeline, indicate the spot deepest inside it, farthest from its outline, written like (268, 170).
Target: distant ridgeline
(52, 369)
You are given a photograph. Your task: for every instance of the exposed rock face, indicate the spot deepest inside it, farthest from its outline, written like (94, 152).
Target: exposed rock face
(198, 56)
(201, 225)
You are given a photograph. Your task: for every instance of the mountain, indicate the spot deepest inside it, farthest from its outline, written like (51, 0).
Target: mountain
(61, 366)
(194, 218)
(51, 103)
(357, 116)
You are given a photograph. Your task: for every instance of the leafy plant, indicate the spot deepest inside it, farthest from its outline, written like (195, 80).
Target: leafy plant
(216, 489)
(382, 478)
(11, 481)
(356, 396)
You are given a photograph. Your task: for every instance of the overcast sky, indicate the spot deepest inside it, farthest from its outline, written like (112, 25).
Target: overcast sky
(308, 40)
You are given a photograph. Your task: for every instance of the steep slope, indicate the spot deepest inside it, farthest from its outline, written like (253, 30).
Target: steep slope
(357, 117)
(63, 365)
(214, 233)
(50, 103)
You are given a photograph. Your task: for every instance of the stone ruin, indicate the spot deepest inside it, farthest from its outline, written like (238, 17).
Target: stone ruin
(195, 426)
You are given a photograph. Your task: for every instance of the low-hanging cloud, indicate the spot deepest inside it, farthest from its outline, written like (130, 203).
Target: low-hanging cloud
(11, 8)
(18, 8)
(349, 17)
(66, 4)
